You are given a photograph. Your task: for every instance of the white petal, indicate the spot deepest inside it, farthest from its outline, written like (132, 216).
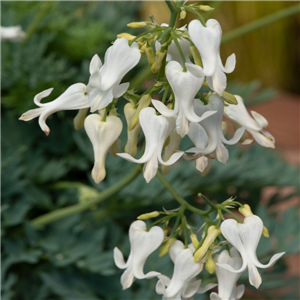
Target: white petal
(214, 296)
(263, 138)
(119, 259)
(230, 64)
(196, 70)
(94, 81)
(31, 114)
(127, 278)
(239, 292)
(95, 64)
(119, 59)
(218, 81)
(261, 120)
(150, 168)
(222, 153)
(175, 249)
(99, 99)
(207, 40)
(162, 109)
(119, 90)
(236, 137)
(202, 290)
(201, 163)
(37, 99)
(174, 157)
(254, 276)
(191, 288)
(162, 282)
(230, 230)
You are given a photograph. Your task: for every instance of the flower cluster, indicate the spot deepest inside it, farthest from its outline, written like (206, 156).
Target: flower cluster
(182, 109)
(189, 259)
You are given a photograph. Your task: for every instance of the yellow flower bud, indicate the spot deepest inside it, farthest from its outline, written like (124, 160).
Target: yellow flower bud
(79, 118)
(194, 239)
(245, 210)
(205, 8)
(265, 232)
(182, 14)
(212, 234)
(137, 24)
(147, 216)
(132, 135)
(158, 60)
(229, 98)
(143, 47)
(196, 55)
(150, 55)
(166, 246)
(128, 36)
(144, 102)
(210, 265)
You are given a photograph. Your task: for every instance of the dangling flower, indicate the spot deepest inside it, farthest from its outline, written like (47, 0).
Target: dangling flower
(183, 283)
(185, 86)
(73, 98)
(245, 238)
(227, 289)
(142, 243)
(210, 133)
(207, 40)
(12, 33)
(102, 135)
(156, 130)
(119, 59)
(239, 114)
(173, 53)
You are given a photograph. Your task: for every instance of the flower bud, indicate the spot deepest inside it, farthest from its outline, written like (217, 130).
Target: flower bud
(137, 24)
(224, 127)
(166, 246)
(196, 55)
(150, 55)
(182, 14)
(212, 234)
(158, 60)
(210, 265)
(147, 216)
(79, 118)
(245, 211)
(229, 98)
(128, 36)
(194, 239)
(205, 8)
(144, 102)
(132, 135)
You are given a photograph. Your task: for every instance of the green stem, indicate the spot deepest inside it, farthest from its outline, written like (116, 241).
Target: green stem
(174, 38)
(184, 229)
(159, 221)
(208, 201)
(196, 13)
(171, 7)
(254, 25)
(143, 34)
(179, 216)
(77, 208)
(174, 13)
(178, 198)
(231, 213)
(166, 92)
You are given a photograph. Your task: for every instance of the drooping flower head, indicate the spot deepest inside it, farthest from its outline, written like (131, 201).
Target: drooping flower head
(245, 237)
(102, 135)
(239, 114)
(119, 59)
(207, 40)
(227, 289)
(73, 98)
(156, 130)
(209, 132)
(142, 243)
(185, 87)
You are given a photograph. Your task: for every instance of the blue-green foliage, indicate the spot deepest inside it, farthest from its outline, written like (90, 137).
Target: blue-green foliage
(71, 259)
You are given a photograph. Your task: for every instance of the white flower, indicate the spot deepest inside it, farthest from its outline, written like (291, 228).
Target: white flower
(207, 40)
(227, 289)
(239, 114)
(173, 53)
(210, 133)
(156, 130)
(12, 33)
(102, 135)
(142, 243)
(185, 86)
(183, 283)
(73, 98)
(245, 238)
(105, 85)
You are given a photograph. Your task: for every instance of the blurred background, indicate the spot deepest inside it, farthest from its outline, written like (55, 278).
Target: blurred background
(71, 259)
